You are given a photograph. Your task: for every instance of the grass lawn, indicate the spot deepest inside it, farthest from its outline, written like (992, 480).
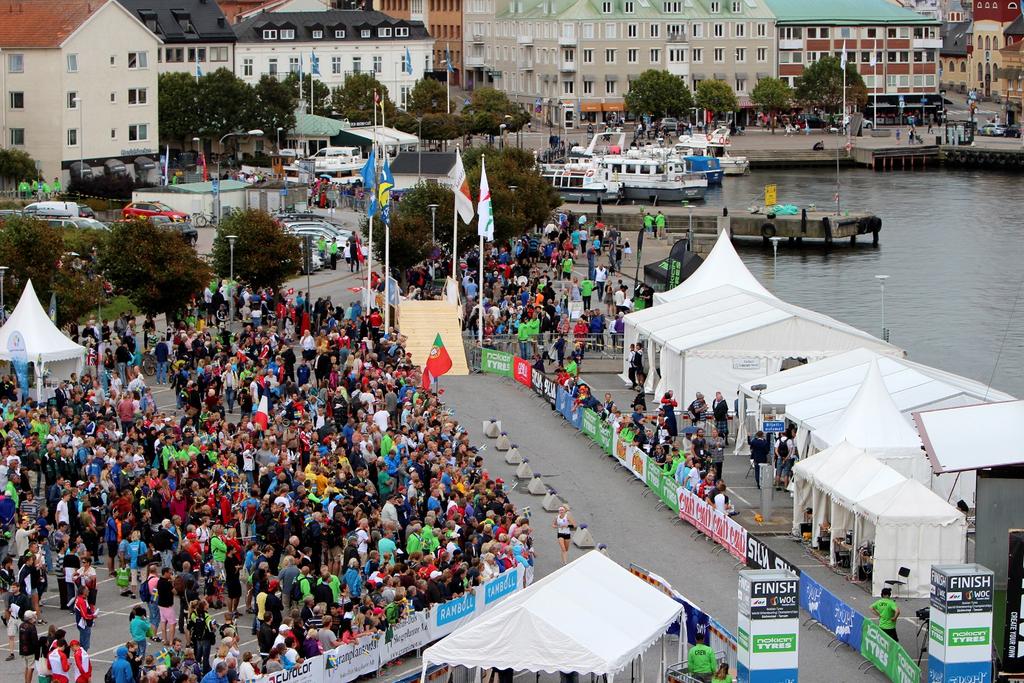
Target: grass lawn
(111, 309)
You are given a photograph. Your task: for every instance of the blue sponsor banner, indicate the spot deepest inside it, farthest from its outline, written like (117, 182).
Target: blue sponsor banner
(498, 588)
(961, 672)
(563, 403)
(453, 610)
(575, 415)
(745, 675)
(835, 615)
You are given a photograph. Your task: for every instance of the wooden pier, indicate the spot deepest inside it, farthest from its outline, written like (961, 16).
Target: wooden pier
(903, 158)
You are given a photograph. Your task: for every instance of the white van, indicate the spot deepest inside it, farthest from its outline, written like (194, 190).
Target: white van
(53, 210)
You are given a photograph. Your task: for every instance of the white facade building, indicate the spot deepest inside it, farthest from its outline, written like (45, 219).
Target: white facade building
(197, 37)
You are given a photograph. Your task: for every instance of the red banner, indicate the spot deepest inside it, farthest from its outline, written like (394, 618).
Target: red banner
(522, 371)
(709, 521)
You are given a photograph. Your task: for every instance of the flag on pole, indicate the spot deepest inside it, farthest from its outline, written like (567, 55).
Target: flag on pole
(376, 99)
(448, 60)
(394, 293)
(485, 227)
(301, 64)
(262, 416)
(438, 362)
(369, 175)
(199, 70)
(408, 62)
(53, 307)
(842, 62)
(874, 59)
(384, 185)
(314, 64)
(460, 186)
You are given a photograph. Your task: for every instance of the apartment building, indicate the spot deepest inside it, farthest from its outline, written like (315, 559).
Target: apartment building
(340, 42)
(195, 33)
(443, 19)
(895, 49)
(79, 82)
(573, 61)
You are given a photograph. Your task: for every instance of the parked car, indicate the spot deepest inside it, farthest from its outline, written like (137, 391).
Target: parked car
(55, 209)
(811, 121)
(670, 124)
(187, 230)
(77, 223)
(1012, 131)
(993, 130)
(148, 209)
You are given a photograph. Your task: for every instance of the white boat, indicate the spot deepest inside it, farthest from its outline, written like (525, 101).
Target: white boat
(580, 180)
(718, 146)
(652, 179)
(337, 160)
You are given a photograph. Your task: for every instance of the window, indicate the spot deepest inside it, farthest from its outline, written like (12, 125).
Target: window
(736, 8)
(606, 7)
(287, 34)
(741, 54)
(671, 7)
(17, 136)
(174, 54)
(339, 33)
(716, 7)
(609, 87)
(113, 97)
(72, 100)
(762, 54)
(628, 7)
(812, 32)
(317, 35)
(611, 31)
(17, 100)
(588, 56)
(655, 30)
(384, 32)
(568, 87)
(588, 31)
(741, 85)
(697, 31)
(138, 131)
(845, 32)
(219, 54)
(871, 33)
(364, 33)
(197, 54)
(72, 63)
(823, 33)
(113, 61)
(16, 64)
(719, 55)
(740, 30)
(677, 55)
(137, 96)
(357, 64)
(631, 30)
(632, 56)
(72, 137)
(272, 66)
(401, 32)
(762, 30)
(718, 30)
(698, 55)
(588, 87)
(138, 60)
(790, 33)
(247, 66)
(378, 64)
(655, 56)
(113, 133)
(335, 65)
(609, 56)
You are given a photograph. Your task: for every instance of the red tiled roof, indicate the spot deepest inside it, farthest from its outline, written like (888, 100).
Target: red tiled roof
(42, 23)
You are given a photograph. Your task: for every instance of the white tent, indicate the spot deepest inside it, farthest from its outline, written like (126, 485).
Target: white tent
(591, 616)
(30, 335)
(914, 528)
(723, 266)
(722, 337)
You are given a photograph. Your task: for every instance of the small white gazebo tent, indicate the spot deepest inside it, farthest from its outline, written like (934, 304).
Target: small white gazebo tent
(914, 528)
(591, 616)
(30, 335)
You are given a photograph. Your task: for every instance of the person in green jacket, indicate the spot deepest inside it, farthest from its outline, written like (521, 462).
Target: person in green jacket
(329, 579)
(414, 543)
(659, 224)
(586, 291)
(701, 663)
(528, 329)
(430, 540)
(722, 675)
(219, 550)
(648, 221)
(567, 264)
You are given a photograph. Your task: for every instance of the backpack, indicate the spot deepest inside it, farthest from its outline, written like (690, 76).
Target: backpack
(109, 676)
(784, 448)
(145, 595)
(296, 592)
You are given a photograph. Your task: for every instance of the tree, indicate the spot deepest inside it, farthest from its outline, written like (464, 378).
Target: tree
(177, 106)
(16, 165)
(432, 126)
(716, 96)
(275, 106)
(771, 95)
(265, 255)
(821, 85)
(489, 109)
(321, 91)
(659, 93)
(354, 99)
(411, 227)
(226, 104)
(154, 265)
(428, 96)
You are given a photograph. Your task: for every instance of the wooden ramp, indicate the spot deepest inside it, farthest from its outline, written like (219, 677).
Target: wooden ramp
(421, 321)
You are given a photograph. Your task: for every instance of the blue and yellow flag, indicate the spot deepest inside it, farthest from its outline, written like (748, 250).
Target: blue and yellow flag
(369, 174)
(384, 185)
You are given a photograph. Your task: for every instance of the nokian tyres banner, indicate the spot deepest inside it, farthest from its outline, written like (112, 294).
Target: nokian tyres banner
(496, 362)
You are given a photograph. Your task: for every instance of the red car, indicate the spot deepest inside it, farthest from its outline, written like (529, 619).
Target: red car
(146, 209)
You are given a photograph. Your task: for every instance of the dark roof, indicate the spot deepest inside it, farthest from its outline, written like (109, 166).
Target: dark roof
(168, 19)
(1016, 28)
(955, 38)
(351, 21)
(427, 163)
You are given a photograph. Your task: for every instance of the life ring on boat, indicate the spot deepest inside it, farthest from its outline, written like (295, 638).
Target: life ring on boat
(590, 173)
(767, 230)
(677, 178)
(710, 137)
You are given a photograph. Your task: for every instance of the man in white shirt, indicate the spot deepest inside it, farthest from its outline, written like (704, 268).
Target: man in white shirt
(63, 514)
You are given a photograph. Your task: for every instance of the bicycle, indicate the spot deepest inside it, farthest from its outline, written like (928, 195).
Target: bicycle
(148, 364)
(201, 219)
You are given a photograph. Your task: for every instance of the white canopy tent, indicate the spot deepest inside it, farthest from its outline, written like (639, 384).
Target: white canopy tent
(590, 616)
(30, 335)
(988, 443)
(723, 266)
(722, 337)
(911, 527)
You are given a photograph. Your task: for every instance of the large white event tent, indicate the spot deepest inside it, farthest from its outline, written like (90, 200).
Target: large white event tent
(591, 616)
(914, 528)
(30, 335)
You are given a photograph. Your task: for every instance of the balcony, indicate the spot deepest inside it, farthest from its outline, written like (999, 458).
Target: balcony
(525, 64)
(567, 66)
(473, 61)
(677, 38)
(791, 44)
(567, 41)
(525, 40)
(477, 38)
(928, 43)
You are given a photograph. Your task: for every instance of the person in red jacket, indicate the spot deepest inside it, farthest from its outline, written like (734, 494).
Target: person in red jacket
(81, 666)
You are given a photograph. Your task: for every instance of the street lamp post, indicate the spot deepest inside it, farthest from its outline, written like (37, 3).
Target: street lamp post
(881, 283)
(3, 308)
(433, 222)
(231, 280)
(501, 136)
(254, 131)
(419, 148)
(309, 268)
(775, 256)
(279, 129)
(79, 104)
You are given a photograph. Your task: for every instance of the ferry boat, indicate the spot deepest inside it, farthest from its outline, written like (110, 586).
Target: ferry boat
(340, 165)
(580, 180)
(715, 144)
(630, 176)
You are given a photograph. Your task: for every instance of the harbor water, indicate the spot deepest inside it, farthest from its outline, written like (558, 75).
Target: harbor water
(951, 244)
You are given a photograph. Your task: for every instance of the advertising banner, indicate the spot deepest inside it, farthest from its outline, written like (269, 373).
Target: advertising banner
(349, 662)
(409, 634)
(1013, 648)
(768, 626)
(760, 556)
(844, 622)
(888, 656)
(563, 403)
(590, 423)
(537, 382)
(604, 437)
(309, 671)
(522, 371)
(637, 463)
(496, 362)
(960, 624)
(576, 415)
(722, 528)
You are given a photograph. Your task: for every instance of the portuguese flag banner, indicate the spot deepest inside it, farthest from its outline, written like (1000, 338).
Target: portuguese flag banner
(438, 362)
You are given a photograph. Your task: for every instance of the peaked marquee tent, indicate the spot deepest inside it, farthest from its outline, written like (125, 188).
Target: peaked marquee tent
(591, 616)
(30, 335)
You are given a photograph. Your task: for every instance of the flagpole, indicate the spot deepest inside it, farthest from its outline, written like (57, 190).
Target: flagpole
(480, 282)
(448, 78)
(455, 230)
(842, 120)
(373, 190)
